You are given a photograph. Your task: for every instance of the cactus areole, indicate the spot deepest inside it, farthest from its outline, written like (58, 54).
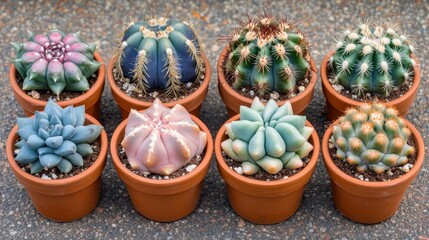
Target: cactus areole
(55, 61)
(268, 54)
(162, 140)
(372, 137)
(372, 58)
(159, 54)
(268, 137)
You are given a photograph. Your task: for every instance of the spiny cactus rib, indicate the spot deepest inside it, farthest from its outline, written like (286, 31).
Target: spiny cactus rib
(372, 58)
(159, 54)
(268, 54)
(162, 140)
(268, 137)
(55, 137)
(55, 61)
(372, 137)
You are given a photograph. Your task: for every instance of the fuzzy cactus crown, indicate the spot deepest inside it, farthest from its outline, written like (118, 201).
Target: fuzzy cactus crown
(55, 137)
(55, 61)
(372, 58)
(162, 140)
(372, 137)
(268, 137)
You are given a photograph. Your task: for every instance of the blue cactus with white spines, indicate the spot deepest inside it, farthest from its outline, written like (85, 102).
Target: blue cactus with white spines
(159, 54)
(55, 137)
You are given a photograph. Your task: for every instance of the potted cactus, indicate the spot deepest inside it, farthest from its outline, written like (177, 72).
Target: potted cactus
(159, 58)
(59, 66)
(371, 62)
(271, 142)
(58, 155)
(269, 58)
(372, 156)
(162, 155)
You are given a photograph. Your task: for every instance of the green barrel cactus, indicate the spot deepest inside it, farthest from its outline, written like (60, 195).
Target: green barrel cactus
(372, 137)
(55, 137)
(268, 137)
(372, 58)
(55, 61)
(268, 54)
(159, 54)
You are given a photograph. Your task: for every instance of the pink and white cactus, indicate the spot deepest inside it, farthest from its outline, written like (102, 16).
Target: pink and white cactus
(162, 140)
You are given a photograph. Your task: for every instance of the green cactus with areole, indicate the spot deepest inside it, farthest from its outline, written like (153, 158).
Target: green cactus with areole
(268, 137)
(268, 54)
(372, 58)
(55, 61)
(372, 137)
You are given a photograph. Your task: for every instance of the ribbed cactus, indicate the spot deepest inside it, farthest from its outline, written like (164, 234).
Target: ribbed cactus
(268, 54)
(268, 137)
(159, 54)
(162, 140)
(372, 137)
(55, 61)
(373, 58)
(55, 137)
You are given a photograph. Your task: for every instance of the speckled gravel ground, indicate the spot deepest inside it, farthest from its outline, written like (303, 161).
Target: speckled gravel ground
(114, 218)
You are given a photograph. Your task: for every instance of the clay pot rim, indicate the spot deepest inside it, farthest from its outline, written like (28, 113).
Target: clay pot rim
(267, 184)
(143, 104)
(206, 160)
(232, 92)
(58, 182)
(375, 185)
(340, 97)
(74, 101)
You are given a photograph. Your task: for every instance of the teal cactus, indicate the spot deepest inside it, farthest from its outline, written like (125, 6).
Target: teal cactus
(268, 137)
(372, 58)
(268, 54)
(55, 61)
(372, 137)
(55, 137)
(159, 54)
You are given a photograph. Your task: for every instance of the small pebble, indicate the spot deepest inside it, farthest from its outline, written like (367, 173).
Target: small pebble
(44, 176)
(35, 94)
(155, 94)
(301, 89)
(190, 168)
(338, 87)
(274, 95)
(238, 170)
(188, 85)
(54, 176)
(251, 93)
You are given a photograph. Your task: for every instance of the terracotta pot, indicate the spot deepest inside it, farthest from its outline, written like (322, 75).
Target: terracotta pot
(369, 202)
(192, 103)
(91, 98)
(163, 200)
(265, 202)
(234, 100)
(337, 103)
(62, 200)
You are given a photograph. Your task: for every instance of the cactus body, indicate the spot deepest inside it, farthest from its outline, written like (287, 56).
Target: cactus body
(372, 137)
(162, 140)
(160, 54)
(55, 137)
(268, 54)
(268, 137)
(55, 61)
(372, 59)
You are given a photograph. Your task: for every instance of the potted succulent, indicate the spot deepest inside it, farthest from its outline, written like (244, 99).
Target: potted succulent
(159, 58)
(269, 58)
(266, 156)
(372, 156)
(59, 66)
(371, 62)
(58, 155)
(162, 155)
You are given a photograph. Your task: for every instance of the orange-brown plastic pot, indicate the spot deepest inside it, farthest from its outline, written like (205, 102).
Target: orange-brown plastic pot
(62, 200)
(265, 202)
(234, 100)
(91, 98)
(163, 200)
(192, 103)
(337, 103)
(369, 202)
